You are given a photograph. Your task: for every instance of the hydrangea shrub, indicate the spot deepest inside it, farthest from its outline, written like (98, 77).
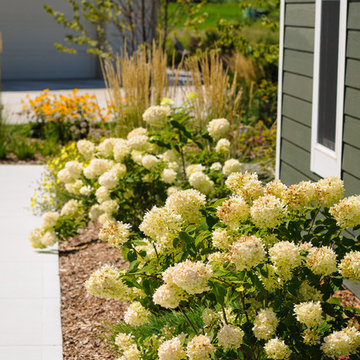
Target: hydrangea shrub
(115, 181)
(249, 276)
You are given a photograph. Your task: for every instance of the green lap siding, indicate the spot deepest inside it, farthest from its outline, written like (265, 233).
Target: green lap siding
(297, 85)
(298, 60)
(351, 129)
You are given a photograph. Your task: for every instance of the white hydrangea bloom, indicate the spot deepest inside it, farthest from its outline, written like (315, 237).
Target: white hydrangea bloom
(74, 187)
(350, 265)
(131, 353)
(186, 203)
(109, 179)
(96, 168)
(341, 343)
(137, 156)
(169, 296)
(221, 239)
(245, 184)
(230, 337)
(171, 350)
(115, 233)
(276, 349)
(233, 211)
(218, 128)
(300, 196)
(70, 208)
(168, 176)
(136, 314)
(149, 161)
(171, 190)
(276, 188)
(94, 212)
(102, 194)
(191, 169)
(200, 348)
(35, 238)
(119, 170)
(121, 149)
(169, 156)
(75, 169)
(201, 182)
(322, 261)
(124, 341)
(105, 148)
(86, 148)
(137, 131)
(156, 116)
(265, 324)
(49, 238)
(64, 176)
(347, 212)
(190, 276)
(309, 313)
(162, 225)
(247, 252)
(268, 212)
(216, 166)
(329, 191)
(231, 166)
(139, 142)
(109, 206)
(285, 256)
(223, 146)
(105, 283)
(49, 219)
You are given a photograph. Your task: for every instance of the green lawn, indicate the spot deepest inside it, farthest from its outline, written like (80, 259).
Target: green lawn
(215, 13)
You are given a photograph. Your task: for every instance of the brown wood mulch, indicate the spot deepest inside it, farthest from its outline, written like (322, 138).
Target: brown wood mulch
(12, 159)
(84, 316)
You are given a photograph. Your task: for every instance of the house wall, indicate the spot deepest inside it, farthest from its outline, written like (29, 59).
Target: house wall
(351, 132)
(29, 34)
(296, 101)
(296, 96)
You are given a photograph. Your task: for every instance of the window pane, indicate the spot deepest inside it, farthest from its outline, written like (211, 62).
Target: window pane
(329, 45)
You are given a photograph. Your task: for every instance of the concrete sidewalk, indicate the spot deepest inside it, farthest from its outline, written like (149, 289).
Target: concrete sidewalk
(30, 325)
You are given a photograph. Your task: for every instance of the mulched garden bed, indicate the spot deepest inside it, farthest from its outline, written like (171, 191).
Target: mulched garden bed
(12, 159)
(84, 316)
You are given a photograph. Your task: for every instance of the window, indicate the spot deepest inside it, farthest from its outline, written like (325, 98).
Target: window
(328, 87)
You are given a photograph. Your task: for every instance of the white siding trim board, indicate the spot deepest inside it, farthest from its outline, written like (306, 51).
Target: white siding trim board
(324, 161)
(280, 83)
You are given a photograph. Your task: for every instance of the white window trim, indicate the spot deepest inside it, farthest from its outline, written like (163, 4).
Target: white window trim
(324, 161)
(280, 86)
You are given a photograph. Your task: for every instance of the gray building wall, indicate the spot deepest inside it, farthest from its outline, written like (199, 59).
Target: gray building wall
(29, 34)
(298, 57)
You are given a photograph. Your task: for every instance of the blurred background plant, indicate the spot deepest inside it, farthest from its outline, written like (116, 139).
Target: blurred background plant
(61, 118)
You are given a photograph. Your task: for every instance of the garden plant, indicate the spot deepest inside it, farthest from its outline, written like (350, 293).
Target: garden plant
(121, 178)
(250, 276)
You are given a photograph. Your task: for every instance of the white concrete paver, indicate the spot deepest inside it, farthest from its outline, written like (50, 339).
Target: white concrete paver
(30, 323)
